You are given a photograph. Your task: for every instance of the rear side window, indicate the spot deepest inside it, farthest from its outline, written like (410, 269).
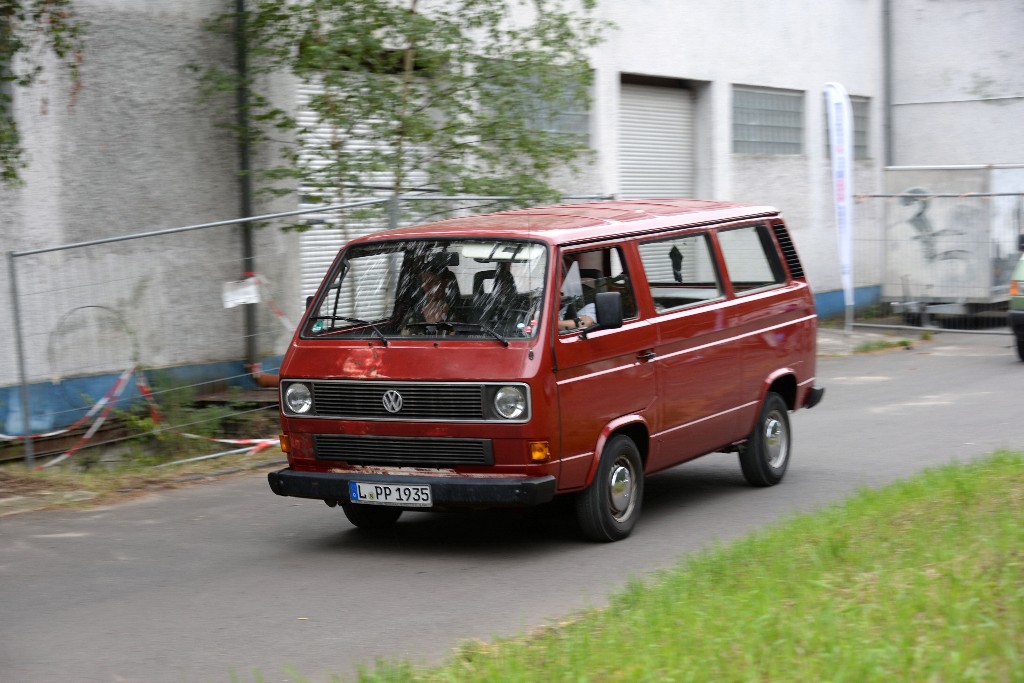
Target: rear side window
(681, 271)
(751, 258)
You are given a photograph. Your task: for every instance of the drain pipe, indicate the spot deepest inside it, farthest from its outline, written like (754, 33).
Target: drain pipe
(245, 171)
(887, 154)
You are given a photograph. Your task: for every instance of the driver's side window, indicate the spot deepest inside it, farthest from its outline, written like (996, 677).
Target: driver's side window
(584, 275)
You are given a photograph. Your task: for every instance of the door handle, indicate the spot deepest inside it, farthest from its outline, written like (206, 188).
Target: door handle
(646, 355)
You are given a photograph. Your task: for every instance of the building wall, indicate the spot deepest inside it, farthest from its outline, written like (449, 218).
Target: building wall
(958, 82)
(138, 150)
(711, 47)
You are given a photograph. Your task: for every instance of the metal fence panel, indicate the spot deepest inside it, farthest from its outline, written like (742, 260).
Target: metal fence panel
(942, 258)
(159, 317)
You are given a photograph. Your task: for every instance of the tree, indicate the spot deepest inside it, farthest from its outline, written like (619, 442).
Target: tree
(30, 29)
(450, 96)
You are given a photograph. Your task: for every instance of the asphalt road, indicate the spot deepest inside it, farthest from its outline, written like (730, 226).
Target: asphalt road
(199, 583)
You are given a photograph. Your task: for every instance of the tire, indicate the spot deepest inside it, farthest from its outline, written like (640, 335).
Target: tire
(1020, 346)
(609, 508)
(765, 455)
(371, 516)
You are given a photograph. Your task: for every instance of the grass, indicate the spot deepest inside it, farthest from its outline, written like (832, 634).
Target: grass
(920, 581)
(882, 345)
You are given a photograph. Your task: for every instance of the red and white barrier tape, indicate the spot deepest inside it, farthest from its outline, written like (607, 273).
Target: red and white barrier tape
(106, 404)
(101, 411)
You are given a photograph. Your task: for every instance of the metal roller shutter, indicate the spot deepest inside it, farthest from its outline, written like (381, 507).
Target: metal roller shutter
(656, 151)
(319, 245)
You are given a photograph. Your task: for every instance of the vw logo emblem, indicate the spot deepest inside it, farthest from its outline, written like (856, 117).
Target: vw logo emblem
(392, 401)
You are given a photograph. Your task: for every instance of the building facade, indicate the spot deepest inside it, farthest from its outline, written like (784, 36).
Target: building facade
(714, 100)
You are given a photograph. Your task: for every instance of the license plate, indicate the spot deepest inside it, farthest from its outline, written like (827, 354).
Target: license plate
(406, 495)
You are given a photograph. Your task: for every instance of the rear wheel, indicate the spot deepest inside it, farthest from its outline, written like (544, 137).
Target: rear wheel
(609, 508)
(371, 516)
(765, 456)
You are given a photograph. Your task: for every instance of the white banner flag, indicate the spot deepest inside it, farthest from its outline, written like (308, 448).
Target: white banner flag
(840, 137)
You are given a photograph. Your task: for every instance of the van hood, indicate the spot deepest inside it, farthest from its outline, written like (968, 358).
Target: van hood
(403, 360)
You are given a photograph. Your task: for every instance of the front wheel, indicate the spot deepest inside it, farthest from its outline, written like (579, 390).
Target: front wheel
(371, 516)
(609, 508)
(765, 455)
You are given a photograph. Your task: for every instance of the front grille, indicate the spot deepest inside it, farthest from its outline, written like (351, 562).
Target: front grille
(365, 401)
(402, 451)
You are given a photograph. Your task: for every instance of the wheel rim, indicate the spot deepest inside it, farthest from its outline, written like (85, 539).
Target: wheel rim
(622, 489)
(776, 440)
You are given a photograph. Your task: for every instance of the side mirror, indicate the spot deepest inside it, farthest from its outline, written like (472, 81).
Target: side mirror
(1020, 242)
(608, 307)
(309, 300)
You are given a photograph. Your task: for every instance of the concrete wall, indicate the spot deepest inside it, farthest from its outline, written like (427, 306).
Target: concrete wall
(138, 150)
(789, 44)
(958, 82)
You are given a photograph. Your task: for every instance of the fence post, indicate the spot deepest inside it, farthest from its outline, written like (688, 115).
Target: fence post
(20, 352)
(394, 209)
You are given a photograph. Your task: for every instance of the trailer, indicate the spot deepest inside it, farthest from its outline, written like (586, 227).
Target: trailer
(950, 241)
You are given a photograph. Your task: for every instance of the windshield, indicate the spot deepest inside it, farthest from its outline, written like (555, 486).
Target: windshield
(487, 289)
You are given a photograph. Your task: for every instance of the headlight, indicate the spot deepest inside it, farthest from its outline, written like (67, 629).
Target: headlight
(298, 398)
(510, 402)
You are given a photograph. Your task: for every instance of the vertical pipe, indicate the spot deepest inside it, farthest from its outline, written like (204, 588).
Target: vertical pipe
(22, 374)
(394, 210)
(887, 153)
(245, 170)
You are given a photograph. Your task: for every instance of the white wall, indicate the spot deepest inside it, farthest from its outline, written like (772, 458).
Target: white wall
(138, 150)
(958, 82)
(787, 44)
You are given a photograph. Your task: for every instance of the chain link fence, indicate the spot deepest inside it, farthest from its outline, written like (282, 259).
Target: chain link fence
(140, 346)
(939, 259)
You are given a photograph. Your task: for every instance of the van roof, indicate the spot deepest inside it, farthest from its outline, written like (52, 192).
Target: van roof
(583, 222)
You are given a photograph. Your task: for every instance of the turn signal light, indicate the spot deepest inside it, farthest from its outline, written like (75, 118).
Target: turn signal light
(540, 451)
(286, 443)
(1015, 288)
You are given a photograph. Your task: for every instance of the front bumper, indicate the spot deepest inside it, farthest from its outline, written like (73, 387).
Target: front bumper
(468, 490)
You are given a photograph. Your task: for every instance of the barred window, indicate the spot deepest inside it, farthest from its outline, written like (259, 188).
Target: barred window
(568, 115)
(766, 121)
(861, 107)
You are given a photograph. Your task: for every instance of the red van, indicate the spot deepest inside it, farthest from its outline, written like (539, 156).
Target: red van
(505, 359)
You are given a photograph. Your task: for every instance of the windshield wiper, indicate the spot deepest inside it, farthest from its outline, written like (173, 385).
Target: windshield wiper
(355, 321)
(483, 328)
(460, 327)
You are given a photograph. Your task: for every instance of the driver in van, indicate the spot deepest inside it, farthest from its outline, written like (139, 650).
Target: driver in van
(438, 295)
(570, 319)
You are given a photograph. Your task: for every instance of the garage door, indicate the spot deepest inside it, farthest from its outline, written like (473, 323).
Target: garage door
(656, 151)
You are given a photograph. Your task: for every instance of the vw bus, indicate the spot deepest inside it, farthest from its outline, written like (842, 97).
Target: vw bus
(509, 358)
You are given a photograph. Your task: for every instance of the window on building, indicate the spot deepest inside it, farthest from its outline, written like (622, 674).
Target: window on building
(566, 114)
(861, 107)
(568, 118)
(767, 121)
